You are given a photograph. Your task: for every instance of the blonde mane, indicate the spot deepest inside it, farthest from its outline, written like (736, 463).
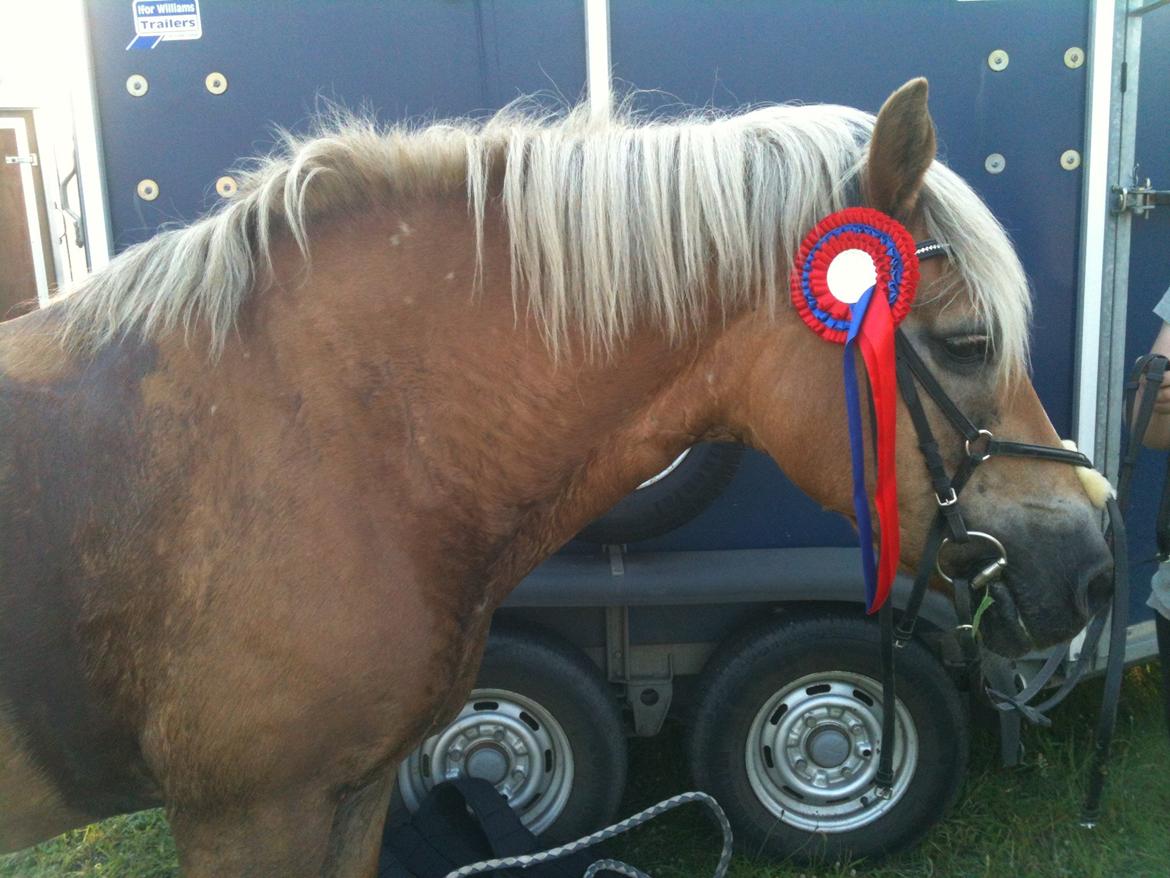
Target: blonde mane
(611, 222)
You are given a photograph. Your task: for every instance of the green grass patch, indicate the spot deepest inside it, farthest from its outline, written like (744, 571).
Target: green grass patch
(1019, 822)
(133, 846)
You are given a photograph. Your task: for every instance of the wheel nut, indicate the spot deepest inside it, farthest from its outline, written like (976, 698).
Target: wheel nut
(498, 734)
(455, 754)
(810, 721)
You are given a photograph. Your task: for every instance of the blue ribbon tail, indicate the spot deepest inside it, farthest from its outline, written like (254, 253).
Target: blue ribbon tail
(857, 452)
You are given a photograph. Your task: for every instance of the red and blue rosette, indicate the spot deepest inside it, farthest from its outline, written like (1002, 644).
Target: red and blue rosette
(853, 282)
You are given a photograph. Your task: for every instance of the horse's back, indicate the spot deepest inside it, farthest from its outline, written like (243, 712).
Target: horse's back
(68, 499)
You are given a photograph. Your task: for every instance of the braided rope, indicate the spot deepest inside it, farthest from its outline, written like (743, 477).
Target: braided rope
(524, 861)
(614, 866)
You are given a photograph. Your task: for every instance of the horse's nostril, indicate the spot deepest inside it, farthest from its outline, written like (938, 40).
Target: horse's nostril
(1095, 591)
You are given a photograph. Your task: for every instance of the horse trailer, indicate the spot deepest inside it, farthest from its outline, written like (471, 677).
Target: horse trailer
(717, 593)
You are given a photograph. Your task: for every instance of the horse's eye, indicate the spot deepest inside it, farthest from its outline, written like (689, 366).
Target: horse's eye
(967, 349)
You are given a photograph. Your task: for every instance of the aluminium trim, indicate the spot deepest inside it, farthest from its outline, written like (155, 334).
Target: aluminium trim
(1095, 216)
(91, 174)
(597, 58)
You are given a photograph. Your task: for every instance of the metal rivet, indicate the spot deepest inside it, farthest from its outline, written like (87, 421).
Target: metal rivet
(998, 60)
(137, 85)
(147, 189)
(995, 163)
(226, 186)
(216, 83)
(1070, 159)
(1074, 57)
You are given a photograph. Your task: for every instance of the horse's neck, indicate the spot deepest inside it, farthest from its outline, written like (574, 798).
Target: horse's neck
(491, 435)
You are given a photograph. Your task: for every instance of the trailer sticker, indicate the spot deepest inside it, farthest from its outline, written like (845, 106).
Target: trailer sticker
(158, 20)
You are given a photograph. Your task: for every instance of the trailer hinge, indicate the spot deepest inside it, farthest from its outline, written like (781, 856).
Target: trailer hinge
(30, 159)
(1140, 199)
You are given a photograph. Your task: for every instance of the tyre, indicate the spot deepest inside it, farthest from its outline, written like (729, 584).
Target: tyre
(543, 726)
(671, 498)
(787, 735)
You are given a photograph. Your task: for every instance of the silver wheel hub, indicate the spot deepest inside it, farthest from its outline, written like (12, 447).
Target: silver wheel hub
(813, 748)
(506, 739)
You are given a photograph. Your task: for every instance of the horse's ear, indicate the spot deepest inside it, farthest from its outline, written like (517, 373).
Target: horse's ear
(901, 150)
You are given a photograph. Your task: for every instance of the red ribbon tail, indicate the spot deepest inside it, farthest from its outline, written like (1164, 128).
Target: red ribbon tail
(877, 349)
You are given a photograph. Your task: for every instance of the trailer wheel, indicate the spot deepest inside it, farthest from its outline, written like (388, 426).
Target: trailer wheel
(671, 498)
(787, 735)
(543, 726)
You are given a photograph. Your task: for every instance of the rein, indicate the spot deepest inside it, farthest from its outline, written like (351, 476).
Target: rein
(949, 527)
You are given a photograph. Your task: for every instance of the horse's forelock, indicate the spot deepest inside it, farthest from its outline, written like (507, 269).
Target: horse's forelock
(984, 260)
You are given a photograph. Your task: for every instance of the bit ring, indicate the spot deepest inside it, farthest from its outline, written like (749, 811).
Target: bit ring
(977, 534)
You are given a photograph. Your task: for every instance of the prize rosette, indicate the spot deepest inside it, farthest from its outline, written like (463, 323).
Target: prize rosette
(853, 282)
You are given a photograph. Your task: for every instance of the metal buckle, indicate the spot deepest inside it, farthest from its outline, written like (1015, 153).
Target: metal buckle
(991, 571)
(983, 434)
(947, 501)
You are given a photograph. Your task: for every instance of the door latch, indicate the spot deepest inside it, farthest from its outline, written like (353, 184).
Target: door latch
(30, 159)
(1140, 198)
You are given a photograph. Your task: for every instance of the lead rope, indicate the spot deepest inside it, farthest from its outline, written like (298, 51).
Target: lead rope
(524, 861)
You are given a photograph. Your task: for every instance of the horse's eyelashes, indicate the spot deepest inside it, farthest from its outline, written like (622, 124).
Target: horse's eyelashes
(967, 348)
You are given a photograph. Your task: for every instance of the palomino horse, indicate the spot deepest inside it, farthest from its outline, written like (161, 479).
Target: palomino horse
(265, 478)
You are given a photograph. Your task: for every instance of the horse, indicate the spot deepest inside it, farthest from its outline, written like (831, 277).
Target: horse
(264, 478)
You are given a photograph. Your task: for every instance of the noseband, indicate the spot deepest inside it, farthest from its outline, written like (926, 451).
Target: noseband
(980, 445)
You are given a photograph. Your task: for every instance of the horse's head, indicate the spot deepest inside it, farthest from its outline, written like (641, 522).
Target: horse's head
(969, 328)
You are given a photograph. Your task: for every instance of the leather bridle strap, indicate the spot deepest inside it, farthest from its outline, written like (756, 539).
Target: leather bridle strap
(908, 355)
(945, 489)
(1147, 372)
(1147, 375)
(980, 445)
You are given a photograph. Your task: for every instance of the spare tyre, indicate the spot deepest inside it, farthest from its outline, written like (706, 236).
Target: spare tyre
(671, 498)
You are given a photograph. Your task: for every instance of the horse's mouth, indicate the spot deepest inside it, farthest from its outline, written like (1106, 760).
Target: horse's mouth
(1001, 627)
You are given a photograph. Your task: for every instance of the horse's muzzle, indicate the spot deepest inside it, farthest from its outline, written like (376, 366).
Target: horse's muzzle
(1057, 578)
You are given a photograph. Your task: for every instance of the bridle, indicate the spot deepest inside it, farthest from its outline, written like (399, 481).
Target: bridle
(980, 445)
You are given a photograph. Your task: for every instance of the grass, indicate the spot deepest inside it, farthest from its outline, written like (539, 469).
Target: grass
(1020, 822)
